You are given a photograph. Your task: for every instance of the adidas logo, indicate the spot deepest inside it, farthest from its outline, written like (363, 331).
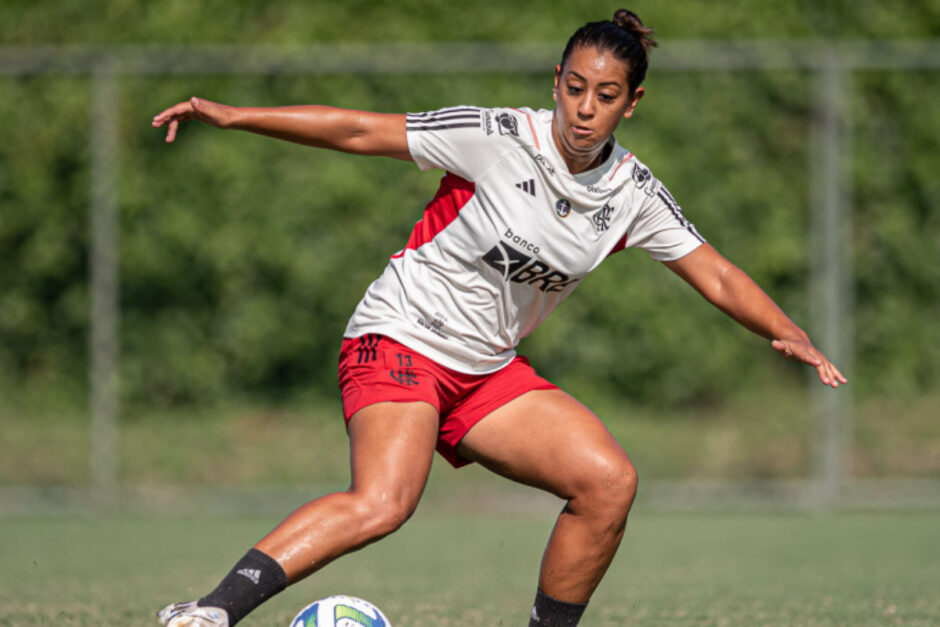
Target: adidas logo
(252, 573)
(527, 186)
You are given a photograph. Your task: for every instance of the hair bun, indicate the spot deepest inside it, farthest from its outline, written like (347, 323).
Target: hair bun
(631, 22)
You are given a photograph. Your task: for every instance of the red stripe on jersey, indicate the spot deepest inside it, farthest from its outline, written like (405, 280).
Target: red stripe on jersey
(622, 161)
(453, 194)
(622, 244)
(531, 128)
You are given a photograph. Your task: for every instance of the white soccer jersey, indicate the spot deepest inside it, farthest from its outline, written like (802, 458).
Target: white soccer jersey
(508, 236)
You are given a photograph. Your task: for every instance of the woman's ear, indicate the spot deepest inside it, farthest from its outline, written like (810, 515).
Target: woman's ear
(636, 98)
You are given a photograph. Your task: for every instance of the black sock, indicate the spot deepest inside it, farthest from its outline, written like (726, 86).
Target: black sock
(255, 578)
(549, 612)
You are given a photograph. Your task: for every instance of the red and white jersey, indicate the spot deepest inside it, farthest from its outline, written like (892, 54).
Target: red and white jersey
(509, 235)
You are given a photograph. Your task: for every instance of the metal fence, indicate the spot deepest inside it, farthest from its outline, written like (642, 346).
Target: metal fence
(831, 64)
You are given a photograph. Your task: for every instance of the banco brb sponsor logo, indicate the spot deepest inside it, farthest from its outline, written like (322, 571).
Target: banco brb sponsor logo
(518, 267)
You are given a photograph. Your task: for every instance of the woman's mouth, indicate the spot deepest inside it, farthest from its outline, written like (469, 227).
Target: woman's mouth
(581, 131)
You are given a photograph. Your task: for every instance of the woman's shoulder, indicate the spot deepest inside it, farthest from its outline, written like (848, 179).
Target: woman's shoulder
(493, 121)
(511, 122)
(628, 168)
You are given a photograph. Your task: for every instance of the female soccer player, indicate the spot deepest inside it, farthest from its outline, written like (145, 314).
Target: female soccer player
(530, 203)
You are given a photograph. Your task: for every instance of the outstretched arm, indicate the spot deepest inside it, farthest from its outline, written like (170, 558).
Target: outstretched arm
(346, 130)
(727, 287)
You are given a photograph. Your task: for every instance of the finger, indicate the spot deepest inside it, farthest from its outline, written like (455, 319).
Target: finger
(824, 375)
(171, 130)
(162, 117)
(811, 360)
(808, 354)
(837, 374)
(835, 377)
(182, 110)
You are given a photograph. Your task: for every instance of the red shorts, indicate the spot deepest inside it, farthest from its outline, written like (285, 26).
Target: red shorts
(375, 368)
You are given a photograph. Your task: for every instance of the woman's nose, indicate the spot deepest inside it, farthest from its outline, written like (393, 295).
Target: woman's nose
(586, 108)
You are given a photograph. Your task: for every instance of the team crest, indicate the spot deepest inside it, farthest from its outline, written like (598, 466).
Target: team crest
(602, 218)
(562, 208)
(507, 123)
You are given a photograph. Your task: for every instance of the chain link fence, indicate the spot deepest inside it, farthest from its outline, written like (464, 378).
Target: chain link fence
(831, 67)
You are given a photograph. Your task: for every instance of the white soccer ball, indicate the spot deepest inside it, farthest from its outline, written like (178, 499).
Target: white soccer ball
(340, 611)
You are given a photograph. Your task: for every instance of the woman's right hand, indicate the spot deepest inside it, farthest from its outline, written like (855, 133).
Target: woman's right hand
(212, 113)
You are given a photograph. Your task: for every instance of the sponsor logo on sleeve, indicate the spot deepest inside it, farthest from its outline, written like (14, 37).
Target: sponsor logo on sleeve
(508, 124)
(641, 175)
(488, 123)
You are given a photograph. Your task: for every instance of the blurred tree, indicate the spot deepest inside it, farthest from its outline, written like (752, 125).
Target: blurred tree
(241, 257)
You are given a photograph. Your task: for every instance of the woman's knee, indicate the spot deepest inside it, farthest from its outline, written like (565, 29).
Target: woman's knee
(382, 514)
(608, 489)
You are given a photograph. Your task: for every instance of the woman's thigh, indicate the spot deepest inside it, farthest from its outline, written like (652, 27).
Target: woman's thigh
(547, 439)
(391, 448)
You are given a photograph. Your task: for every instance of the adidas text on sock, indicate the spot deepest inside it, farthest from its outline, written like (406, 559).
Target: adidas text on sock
(253, 580)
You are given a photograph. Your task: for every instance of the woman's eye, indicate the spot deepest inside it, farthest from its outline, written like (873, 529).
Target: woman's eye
(607, 98)
(574, 89)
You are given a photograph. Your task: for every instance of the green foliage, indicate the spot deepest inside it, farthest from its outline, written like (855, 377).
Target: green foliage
(242, 257)
(897, 230)
(299, 21)
(43, 226)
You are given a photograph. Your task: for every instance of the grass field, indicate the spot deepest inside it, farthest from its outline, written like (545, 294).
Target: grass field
(445, 569)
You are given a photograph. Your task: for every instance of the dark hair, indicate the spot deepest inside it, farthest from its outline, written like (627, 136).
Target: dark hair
(625, 36)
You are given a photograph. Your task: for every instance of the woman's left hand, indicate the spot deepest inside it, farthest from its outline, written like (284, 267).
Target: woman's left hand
(804, 351)
(212, 113)
(727, 287)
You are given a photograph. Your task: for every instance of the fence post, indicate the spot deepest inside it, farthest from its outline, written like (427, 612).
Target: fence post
(831, 302)
(103, 261)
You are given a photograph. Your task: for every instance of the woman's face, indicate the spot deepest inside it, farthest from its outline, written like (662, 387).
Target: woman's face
(592, 97)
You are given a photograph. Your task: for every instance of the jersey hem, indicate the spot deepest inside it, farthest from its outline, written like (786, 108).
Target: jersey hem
(665, 258)
(441, 358)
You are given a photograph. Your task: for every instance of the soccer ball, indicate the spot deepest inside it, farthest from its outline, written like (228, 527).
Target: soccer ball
(340, 611)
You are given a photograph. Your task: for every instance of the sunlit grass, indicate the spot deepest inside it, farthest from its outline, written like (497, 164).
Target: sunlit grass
(443, 569)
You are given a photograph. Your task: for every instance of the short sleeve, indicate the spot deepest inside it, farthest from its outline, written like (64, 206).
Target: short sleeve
(660, 228)
(462, 140)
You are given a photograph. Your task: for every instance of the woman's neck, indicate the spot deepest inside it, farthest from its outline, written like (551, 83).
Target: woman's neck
(579, 160)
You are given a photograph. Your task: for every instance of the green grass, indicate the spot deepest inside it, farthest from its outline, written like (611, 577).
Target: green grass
(445, 569)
